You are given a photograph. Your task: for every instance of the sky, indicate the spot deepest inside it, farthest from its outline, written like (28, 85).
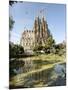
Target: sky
(24, 15)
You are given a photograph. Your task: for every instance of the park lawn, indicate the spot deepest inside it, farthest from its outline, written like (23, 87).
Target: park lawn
(48, 57)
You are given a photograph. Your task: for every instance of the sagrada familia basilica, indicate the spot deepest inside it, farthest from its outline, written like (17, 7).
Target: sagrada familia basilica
(37, 36)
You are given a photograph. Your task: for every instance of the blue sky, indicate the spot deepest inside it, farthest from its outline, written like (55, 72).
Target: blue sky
(24, 14)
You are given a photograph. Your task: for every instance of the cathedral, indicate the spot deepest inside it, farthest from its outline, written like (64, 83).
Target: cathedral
(37, 36)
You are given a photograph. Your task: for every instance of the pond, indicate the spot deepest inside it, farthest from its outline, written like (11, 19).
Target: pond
(37, 73)
(27, 64)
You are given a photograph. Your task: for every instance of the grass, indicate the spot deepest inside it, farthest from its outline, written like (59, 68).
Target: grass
(46, 57)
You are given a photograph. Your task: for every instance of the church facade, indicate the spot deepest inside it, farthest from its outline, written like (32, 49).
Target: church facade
(27, 39)
(37, 36)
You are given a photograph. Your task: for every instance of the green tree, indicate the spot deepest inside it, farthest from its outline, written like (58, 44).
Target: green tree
(21, 50)
(60, 48)
(15, 50)
(11, 23)
(49, 45)
(12, 2)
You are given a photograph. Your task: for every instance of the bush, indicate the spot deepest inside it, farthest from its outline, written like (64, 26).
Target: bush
(38, 48)
(60, 49)
(15, 50)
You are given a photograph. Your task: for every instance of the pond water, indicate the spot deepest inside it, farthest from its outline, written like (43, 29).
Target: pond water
(31, 65)
(60, 70)
(34, 73)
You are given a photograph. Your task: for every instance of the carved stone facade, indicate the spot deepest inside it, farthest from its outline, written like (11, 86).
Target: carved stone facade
(27, 39)
(37, 36)
(41, 31)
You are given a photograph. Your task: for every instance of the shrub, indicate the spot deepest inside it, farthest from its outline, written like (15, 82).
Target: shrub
(15, 50)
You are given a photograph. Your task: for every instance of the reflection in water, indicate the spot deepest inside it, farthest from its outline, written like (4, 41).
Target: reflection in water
(41, 77)
(60, 70)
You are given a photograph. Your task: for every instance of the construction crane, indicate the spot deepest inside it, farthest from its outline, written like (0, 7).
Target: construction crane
(41, 12)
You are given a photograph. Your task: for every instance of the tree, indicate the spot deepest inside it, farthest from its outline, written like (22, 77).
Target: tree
(12, 2)
(21, 50)
(49, 45)
(11, 23)
(15, 50)
(60, 48)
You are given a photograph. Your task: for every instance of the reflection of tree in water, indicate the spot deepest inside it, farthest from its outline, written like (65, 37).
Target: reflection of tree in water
(44, 77)
(41, 77)
(60, 81)
(36, 78)
(59, 74)
(15, 65)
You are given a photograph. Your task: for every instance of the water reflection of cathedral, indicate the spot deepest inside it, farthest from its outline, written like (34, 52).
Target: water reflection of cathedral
(37, 36)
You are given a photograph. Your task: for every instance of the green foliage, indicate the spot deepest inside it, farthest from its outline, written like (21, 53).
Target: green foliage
(48, 32)
(38, 48)
(50, 42)
(49, 45)
(60, 49)
(11, 23)
(12, 2)
(15, 50)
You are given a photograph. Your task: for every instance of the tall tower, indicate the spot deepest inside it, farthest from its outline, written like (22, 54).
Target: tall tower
(44, 30)
(36, 30)
(40, 29)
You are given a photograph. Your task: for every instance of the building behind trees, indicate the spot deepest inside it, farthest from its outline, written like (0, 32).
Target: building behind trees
(37, 36)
